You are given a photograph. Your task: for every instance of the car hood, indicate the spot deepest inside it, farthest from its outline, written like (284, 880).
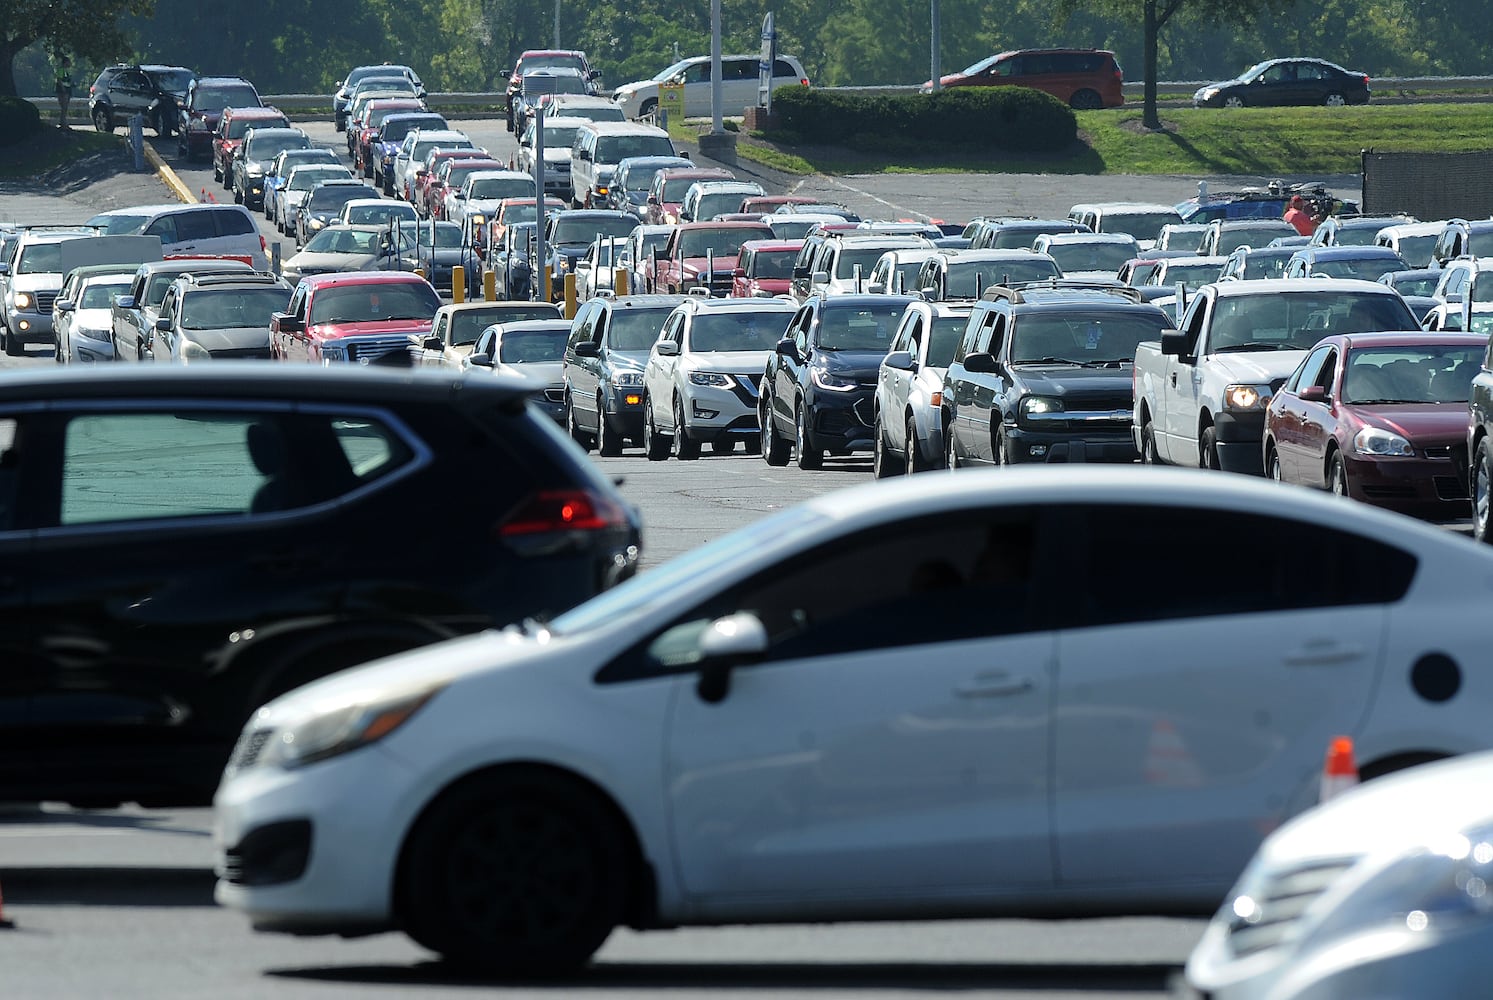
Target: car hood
(332, 331)
(306, 261)
(102, 319)
(445, 256)
(627, 359)
(775, 286)
(732, 362)
(1063, 380)
(1256, 368)
(541, 373)
(1417, 421)
(863, 366)
(561, 155)
(231, 338)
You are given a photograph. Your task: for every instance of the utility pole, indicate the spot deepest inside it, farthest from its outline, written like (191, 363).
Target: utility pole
(936, 73)
(715, 68)
(557, 22)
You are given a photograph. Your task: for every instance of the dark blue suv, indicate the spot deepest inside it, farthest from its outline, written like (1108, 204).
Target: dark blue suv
(819, 387)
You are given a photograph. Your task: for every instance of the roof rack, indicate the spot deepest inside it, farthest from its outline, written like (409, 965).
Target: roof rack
(1013, 291)
(232, 278)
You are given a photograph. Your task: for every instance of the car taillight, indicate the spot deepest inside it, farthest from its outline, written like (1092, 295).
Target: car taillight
(803, 81)
(263, 246)
(1365, 81)
(562, 512)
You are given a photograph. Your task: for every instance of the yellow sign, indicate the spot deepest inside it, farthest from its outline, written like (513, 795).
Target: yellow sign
(671, 100)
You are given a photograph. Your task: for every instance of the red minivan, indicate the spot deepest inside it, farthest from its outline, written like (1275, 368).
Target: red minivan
(1083, 79)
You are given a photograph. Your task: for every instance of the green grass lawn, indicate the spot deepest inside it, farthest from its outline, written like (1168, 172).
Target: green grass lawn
(1192, 141)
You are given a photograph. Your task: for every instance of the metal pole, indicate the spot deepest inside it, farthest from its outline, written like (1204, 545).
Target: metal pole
(715, 68)
(539, 263)
(557, 24)
(937, 71)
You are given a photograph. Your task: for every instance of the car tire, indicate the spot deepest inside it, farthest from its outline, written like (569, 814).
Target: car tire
(1482, 493)
(775, 451)
(648, 108)
(1208, 449)
(13, 347)
(1234, 101)
(686, 448)
(655, 446)
(1273, 468)
(103, 121)
(808, 455)
(1337, 475)
(882, 462)
(577, 435)
(1001, 449)
(1148, 453)
(913, 461)
(1086, 100)
(1334, 100)
(608, 443)
(516, 874)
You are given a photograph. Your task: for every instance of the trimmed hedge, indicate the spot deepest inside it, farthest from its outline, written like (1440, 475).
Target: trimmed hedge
(19, 120)
(1010, 118)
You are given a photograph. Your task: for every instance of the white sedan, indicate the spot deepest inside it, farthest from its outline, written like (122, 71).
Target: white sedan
(1061, 691)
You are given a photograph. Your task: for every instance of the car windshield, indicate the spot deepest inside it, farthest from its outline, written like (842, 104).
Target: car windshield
(1254, 71)
(1266, 263)
(560, 136)
(859, 327)
(1425, 284)
(559, 60)
(718, 203)
(637, 178)
(1107, 257)
(364, 215)
(395, 84)
(1430, 374)
(172, 81)
(567, 84)
(584, 230)
(527, 347)
(441, 235)
(40, 258)
(218, 98)
(293, 158)
(969, 280)
(947, 331)
(502, 187)
(467, 324)
(522, 213)
(239, 126)
(111, 224)
(676, 187)
(1416, 249)
(1230, 240)
(394, 131)
(1295, 321)
(1080, 337)
(1355, 236)
(776, 263)
(1141, 225)
(340, 240)
(1192, 276)
(724, 242)
(268, 146)
(636, 329)
(331, 197)
(671, 72)
(847, 260)
(612, 148)
(1367, 269)
(304, 180)
(738, 330)
(100, 294)
(370, 302)
(417, 153)
(218, 309)
(1187, 238)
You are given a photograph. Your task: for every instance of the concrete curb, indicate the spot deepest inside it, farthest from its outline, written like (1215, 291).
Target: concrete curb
(168, 176)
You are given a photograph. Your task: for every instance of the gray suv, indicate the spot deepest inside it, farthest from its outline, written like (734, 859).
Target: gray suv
(610, 338)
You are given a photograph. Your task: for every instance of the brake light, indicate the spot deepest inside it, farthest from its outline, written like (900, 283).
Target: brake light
(1365, 81)
(803, 81)
(562, 511)
(263, 246)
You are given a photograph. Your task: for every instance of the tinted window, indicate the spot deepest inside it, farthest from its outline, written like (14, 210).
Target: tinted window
(8, 469)
(373, 301)
(502, 187)
(864, 328)
(946, 333)
(1091, 256)
(218, 97)
(1085, 337)
(468, 323)
(195, 225)
(266, 147)
(331, 197)
(532, 346)
(635, 329)
(395, 131)
(227, 308)
(773, 263)
(738, 331)
(1143, 226)
(1325, 568)
(231, 223)
(584, 230)
(968, 280)
(726, 242)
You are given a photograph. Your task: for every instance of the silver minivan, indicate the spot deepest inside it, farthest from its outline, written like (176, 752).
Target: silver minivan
(203, 230)
(599, 147)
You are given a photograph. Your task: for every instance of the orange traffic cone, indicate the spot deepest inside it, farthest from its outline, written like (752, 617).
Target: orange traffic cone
(5, 925)
(1339, 772)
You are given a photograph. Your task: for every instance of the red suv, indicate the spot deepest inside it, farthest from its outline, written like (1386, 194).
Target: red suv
(1084, 79)
(538, 59)
(230, 136)
(355, 316)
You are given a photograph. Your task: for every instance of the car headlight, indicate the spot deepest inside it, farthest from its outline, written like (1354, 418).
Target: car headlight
(627, 378)
(341, 729)
(315, 223)
(22, 300)
(1207, 93)
(91, 334)
(715, 379)
(477, 220)
(828, 380)
(1379, 443)
(193, 351)
(333, 353)
(1246, 397)
(1036, 406)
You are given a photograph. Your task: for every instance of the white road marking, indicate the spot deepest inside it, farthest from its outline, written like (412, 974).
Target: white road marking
(892, 205)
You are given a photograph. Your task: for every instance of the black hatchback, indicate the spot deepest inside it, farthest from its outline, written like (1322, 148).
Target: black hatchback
(182, 546)
(1280, 82)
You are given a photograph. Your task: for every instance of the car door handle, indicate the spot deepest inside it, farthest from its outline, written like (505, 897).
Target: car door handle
(993, 685)
(1323, 654)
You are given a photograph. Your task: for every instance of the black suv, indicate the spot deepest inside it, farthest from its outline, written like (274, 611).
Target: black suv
(183, 545)
(819, 388)
(124, 90)
(1016, 234)
(203, 109)
(1044, 374)
(610, 338)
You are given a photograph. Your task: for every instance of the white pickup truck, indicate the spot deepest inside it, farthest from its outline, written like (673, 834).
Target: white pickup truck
(1201, 393)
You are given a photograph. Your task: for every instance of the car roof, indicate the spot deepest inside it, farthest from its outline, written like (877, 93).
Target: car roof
(1412, 338)
(624, 128)
(514, 305)
(697, 303)
(1280, 286)
(1070, 239)
(1349, 253)
(639, 301)
(1414, 228)
(772, 245)
(376, 278)
(254, 112)
(1124, 208)
(966, 255)
(859, 300)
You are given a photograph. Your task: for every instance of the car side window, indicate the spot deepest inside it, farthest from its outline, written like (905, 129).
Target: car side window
(1306, 374)
(1327, 372)
(801, 338)
(195, 225)
(977, 321)
(1327, 568)
(230, 222)
(442, 331)
(164, 227)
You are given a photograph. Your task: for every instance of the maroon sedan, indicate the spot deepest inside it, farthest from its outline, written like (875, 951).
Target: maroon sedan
(1380, 417)
(765, 268)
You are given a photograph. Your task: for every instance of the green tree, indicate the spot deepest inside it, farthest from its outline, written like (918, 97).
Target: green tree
(84, 29)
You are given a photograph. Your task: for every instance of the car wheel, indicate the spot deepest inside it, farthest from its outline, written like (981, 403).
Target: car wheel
(686, 448)
(515, 874)
(1086, 100)
(775, 451)
(1208, 449)
(102, 120)
(809, 457)
(1482, 492)
(1334, 100)
(608, 444)
(648, 108)
(881, 458)
(655, 445)
(1233, 101)
(1337, 475)
(1148, 455)
(1272, 465)
(577, 435)
(912, 459)
(13, 347)
(238, 195)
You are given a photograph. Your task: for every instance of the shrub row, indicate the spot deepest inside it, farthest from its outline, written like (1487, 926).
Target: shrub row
(19, 120)
(1009, 118)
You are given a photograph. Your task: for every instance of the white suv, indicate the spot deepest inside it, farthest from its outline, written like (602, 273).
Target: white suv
(738, 84)
(702, 375)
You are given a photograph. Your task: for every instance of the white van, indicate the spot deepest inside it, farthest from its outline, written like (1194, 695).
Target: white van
(204, 230)
(738, 85)
(599, 147)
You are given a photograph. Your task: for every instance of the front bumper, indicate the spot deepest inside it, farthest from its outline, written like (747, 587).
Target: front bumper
(1426, 487)
(719, 413)
(1239, 437)
(1110, 445)
(85, 348)
(622, 409)
(29, 327)
(842, 422)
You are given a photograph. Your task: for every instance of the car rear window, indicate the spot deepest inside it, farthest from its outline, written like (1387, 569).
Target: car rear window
(232, 223)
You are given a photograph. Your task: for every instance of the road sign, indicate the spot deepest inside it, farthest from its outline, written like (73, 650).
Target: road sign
(671, 100)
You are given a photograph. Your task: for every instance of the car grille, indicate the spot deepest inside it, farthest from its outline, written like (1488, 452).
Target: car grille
(745, 390)
(1442, 451)
(555, 393)
(44, 301)
(243, 353)
(1380, 491)
(864, 409)
(1281, 903)
(250, 746)
(1101, 414)
(367, 349)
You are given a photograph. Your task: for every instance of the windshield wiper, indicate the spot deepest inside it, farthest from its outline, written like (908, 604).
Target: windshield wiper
(1050, 361)
(1376, 402)
(1250, 348)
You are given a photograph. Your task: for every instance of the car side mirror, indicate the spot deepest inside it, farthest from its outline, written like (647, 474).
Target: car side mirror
(432, 344)
(876, 287)
(583, 265)
(787, 348)
(4, 268)
(285, 322)
(120, 301)
(652, 200)
(483, 360)
(163, 324)
(728, 643)
(1313, 394)
(739, 272)
(902, 361)
(685, 216)
(63, 305)
(980, 363)
(819, 278)
(1175, 344)
(588, 349)
(667, 348)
